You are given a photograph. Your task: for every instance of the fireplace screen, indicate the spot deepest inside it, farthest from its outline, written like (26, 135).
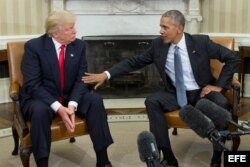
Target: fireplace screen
(104, 51)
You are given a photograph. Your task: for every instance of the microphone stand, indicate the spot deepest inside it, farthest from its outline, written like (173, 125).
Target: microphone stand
(228, 134)
(216, 137)
(240, 126)
(246, 123)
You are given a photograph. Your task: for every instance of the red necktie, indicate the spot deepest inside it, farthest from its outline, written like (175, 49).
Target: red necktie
(61, 65)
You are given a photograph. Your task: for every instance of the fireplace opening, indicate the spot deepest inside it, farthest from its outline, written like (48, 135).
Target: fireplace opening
(102, 52)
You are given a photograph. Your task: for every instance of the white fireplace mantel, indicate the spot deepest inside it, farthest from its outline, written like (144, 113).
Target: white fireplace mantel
(127, 17)
(119, 6)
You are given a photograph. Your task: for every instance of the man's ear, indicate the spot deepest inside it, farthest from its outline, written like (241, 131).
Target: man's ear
(180, 28)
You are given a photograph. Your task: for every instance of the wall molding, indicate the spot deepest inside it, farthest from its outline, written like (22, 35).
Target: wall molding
(133, 13)
(5, 39)
(96, 7)
(240, 39)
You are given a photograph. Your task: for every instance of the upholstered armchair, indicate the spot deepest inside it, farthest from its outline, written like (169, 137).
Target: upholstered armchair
(20, 127)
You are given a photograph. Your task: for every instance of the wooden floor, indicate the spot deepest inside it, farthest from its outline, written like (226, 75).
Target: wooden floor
(7, 108)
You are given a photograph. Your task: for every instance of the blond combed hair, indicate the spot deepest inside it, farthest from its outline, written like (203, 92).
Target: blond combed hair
(57, 18)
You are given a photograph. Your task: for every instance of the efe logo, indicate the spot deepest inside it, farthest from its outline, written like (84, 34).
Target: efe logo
(236, 158)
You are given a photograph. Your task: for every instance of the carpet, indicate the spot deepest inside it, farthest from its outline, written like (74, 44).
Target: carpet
(190, 149)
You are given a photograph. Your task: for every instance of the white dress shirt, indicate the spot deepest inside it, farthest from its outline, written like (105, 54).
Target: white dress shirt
(188, 76)
(189, 81)
(55, 106)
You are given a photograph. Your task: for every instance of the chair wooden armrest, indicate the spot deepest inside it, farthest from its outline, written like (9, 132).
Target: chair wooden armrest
(233, 96)
(18, 120)
(236, 97)
(14, 91)
(19, 123)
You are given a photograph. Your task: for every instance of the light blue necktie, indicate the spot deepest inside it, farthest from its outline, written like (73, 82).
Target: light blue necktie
(179, 81)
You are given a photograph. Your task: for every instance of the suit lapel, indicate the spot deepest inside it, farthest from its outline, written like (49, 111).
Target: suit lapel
(51, 54)
(69, 58)
(163, 58)
(192, 53)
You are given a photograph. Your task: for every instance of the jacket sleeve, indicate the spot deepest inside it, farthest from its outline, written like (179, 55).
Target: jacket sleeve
(229, 58)
(32, 76)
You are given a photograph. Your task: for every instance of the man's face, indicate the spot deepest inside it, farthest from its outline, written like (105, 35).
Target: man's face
(66, 33)
(170, 32)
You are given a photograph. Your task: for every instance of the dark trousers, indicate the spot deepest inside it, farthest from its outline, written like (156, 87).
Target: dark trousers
(41, 115)
(160, 102)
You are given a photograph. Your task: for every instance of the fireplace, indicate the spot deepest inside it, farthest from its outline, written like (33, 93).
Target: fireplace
(104, 51)
(117, 29)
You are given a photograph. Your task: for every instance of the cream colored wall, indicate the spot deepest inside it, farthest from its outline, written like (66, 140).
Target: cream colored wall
(225, 16)
(26, 17)
(23, 17)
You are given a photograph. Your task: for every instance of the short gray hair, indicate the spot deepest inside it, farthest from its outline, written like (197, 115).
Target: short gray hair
(176, 16)
(57, 18)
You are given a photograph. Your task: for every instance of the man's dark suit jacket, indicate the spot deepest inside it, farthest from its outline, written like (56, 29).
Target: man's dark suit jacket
(41, 71)
(200, 50)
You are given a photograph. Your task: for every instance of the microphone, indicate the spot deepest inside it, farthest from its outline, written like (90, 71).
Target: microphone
(147, 148)
(201, 124)
(220, 116)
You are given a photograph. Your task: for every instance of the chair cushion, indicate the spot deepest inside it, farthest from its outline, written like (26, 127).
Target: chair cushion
(174, 121)
(59, 131)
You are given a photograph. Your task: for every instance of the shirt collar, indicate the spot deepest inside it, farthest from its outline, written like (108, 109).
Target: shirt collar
(182, 42)
(57, 44)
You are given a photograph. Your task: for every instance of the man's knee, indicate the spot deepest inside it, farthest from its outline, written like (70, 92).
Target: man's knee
(92, 102)
(39, 111)
(94, 98)
(219, 99)
(150, 100)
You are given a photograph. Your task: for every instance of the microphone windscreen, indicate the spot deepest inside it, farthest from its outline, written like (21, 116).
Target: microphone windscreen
(147, 146)
(197, 121)
(216, 113)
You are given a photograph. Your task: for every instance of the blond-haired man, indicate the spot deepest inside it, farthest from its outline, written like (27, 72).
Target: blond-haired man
(52, 67)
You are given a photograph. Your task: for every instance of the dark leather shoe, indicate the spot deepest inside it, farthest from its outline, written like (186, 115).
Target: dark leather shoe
(164, 163)
(215, 165)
